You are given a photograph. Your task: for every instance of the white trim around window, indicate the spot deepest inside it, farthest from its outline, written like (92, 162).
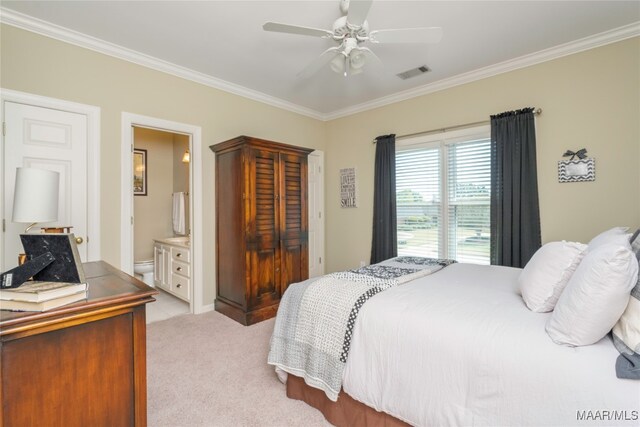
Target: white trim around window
(430, 203)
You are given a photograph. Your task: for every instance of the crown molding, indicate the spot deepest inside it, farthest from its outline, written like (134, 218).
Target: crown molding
(35, 25)
(576, 46)
(19, 20)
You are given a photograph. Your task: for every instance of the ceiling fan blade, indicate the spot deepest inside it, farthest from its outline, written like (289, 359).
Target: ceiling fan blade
(407, 35)
(295, 29)
(358, 11)
(320, 62)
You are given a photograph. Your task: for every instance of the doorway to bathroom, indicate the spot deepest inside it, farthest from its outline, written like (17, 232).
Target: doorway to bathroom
(161, 212)
(161, 226)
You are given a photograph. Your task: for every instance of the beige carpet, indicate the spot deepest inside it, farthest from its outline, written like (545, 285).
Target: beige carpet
(207, 370)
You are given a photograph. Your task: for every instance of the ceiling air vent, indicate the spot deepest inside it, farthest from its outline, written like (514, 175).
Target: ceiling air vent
(413, 72)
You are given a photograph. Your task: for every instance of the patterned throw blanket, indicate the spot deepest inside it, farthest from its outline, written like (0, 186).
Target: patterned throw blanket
(313, 330)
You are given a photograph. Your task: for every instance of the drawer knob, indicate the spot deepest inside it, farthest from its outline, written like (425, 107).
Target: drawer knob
(179, 254)
(179, 285)
(179, 269)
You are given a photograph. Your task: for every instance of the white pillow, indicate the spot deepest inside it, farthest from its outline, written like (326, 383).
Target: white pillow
(548, 272)
(617, 235)
(595, 297)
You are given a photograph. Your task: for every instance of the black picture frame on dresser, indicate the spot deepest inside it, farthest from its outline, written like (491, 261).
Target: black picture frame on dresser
(67, 265)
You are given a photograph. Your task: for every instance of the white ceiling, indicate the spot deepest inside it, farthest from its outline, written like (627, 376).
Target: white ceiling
(224, 39)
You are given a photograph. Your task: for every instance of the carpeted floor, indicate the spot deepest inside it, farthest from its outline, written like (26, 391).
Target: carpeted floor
(208, 370)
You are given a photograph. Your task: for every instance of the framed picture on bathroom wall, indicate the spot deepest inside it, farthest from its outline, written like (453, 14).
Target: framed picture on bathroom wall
(139, 172)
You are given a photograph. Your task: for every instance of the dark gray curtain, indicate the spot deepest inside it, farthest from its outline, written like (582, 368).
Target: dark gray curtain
(385, 235)
(515, 212)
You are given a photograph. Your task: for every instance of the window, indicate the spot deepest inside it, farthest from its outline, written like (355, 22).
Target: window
(443, 188)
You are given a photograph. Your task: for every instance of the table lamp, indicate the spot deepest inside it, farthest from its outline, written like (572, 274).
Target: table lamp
(35, 198)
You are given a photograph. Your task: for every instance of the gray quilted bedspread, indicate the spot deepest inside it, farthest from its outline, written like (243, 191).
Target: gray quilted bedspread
(315, 321)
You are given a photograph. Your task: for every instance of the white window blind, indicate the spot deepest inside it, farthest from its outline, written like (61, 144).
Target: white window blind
(418, 202)
(469, 190)
(443, 196)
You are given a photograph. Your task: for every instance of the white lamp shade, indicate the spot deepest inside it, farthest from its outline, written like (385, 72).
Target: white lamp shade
(35, 198)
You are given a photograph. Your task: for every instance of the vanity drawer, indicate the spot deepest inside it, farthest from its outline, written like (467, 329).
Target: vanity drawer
(181, 268)
(181, 286)
(180, 254)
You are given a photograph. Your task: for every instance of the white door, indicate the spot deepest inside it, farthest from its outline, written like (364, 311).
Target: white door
(316, 213)
(50, 139)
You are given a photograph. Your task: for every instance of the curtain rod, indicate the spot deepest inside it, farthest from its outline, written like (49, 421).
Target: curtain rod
(536, 112)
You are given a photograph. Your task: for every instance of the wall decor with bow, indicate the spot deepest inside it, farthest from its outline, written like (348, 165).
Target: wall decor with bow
(580, 170)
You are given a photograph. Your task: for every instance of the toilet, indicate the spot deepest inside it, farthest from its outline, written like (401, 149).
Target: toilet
(144, 271)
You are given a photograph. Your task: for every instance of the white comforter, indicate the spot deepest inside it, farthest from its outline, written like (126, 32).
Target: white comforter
(459, 347)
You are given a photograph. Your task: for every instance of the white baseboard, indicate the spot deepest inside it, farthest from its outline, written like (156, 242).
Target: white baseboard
(205, 309)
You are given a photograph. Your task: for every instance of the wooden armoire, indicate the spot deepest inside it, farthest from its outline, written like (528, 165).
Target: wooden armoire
(261, 225)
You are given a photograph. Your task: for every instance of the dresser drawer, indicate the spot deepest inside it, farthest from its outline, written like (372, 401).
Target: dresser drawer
(181, 268)
(181, 286)
(180, 254)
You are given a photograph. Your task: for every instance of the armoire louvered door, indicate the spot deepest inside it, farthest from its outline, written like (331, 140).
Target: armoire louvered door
(263, 235)
(293, 219)
(261, 225)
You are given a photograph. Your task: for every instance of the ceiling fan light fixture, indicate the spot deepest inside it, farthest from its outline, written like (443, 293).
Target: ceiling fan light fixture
(349, 33)
(355, 71)
(337, 64)
(357, 60)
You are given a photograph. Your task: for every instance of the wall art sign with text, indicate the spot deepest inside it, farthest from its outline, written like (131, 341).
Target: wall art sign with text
(348, 188)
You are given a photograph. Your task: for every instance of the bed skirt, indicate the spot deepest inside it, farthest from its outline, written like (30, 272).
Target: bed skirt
(346, 412)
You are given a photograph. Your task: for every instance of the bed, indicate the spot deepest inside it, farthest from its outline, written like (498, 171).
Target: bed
(459, 347)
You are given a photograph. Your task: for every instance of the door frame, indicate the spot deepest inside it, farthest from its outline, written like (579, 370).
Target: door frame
(129, 121)
(93, 160)
(320, 155)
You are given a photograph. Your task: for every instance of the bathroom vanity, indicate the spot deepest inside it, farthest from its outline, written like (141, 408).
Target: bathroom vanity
(172, 266)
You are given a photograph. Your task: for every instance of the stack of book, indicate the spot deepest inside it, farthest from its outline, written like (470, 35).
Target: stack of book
(41, 296)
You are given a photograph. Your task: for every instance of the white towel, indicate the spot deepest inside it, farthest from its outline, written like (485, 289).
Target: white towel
(178, 213)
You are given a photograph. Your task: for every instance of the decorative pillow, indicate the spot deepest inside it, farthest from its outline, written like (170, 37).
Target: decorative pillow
(626, 333)
(595, 297)
(635, 243)
(547, 273)
(617, 235)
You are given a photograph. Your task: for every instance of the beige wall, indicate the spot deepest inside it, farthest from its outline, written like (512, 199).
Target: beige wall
(43, 66)
(152, 212)
(181, 172)
(180, 169)
(590, 99)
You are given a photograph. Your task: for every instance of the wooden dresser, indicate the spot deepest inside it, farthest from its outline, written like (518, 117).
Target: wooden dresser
(83, 364)
(261, 225)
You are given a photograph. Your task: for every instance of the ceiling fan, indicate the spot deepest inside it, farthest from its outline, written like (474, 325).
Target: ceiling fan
(350, 32)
